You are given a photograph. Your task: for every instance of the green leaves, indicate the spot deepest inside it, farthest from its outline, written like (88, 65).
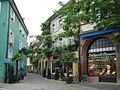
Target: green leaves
(104, 13)
(17, 56)
(67, 57)
(24, 51)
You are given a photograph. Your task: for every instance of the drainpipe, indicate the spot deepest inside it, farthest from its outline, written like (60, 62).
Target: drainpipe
(6, 65)
(79, 56)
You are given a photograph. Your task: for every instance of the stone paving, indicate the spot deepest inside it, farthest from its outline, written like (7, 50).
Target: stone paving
(36, 82)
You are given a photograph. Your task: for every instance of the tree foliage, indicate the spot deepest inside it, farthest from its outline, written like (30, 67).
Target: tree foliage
(105, 13)
(17, 56)
(67, 57)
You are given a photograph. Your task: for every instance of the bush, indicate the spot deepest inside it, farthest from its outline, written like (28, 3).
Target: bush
(62, 76)
(56, 77)
(49, 74)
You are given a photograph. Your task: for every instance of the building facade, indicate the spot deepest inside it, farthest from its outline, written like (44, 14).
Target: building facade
(13, 33)
(55, 24)
(99, 55)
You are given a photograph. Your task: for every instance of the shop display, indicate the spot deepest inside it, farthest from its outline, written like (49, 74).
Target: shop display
(102, 60)
(102, 65)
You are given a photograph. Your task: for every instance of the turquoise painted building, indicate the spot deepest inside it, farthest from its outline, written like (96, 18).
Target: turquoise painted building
(13, 37)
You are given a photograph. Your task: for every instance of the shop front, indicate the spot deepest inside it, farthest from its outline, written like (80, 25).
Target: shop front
(102, 60)
(99, 58)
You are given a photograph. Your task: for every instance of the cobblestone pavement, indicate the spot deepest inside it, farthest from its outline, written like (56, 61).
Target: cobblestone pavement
(35, 82)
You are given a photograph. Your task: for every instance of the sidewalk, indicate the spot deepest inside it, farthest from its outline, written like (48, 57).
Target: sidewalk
(36, 82)
(102, 85)
(91, 86)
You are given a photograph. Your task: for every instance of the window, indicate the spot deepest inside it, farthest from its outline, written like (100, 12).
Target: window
(20, 44)
(53, 27)
(101, 45)
(22, 30)
(12, 15)
(101, 58)
(11, 38)
(60, 23)
(56, 65)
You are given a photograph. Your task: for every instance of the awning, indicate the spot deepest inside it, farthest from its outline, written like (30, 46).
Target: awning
(97, 33)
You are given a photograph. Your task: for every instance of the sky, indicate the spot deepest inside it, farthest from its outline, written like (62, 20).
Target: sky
(36, 12)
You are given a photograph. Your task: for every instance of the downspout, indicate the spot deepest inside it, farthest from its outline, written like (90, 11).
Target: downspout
(8, 32)
(79, 55)
(6, 65)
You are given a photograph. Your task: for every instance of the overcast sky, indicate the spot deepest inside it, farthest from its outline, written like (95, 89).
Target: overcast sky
(36, 12)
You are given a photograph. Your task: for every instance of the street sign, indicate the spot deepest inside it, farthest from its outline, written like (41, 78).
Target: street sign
(10, 53)
(7, 60)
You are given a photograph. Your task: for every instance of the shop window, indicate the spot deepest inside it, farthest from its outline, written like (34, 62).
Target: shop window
(101, 58)
(56, 65)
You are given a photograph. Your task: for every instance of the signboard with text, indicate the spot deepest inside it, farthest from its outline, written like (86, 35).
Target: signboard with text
(10, 53)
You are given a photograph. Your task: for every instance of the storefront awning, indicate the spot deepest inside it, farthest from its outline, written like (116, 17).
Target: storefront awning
(97, 33)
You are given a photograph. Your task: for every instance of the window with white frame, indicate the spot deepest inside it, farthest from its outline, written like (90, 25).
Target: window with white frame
(20, 44)
(59, 23)
(12, 15)
(11, 37)
(22, 30)
(20, 27)
(24, 33)
(53, 27)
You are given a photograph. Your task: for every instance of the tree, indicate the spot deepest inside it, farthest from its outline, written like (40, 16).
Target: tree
(67, 57)
(105, 13)
(43, 48)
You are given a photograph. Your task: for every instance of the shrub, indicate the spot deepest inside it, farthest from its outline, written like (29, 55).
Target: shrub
(62, 76)
(56, 77)
(49, 74)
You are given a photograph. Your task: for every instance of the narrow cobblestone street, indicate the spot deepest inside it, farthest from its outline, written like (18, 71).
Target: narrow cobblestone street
(35, 82)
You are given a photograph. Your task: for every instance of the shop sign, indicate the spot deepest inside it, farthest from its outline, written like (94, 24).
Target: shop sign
(10, 53)
(102, 55)
(7, 60)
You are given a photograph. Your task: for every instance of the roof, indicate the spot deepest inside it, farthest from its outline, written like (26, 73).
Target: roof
(14, 7)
